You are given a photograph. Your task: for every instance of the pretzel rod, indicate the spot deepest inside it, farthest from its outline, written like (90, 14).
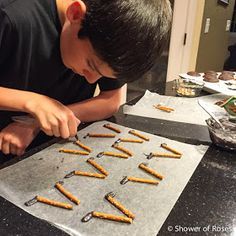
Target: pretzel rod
(129, 140)
(138, 135)
(67, 193)
(54, 203)
(150, 171)
(164, 108)
(89, 174)
(83, 146)
(71, 151)
(106, 216)
(159, 154)
(113, 154)
(108, 126)
(164, 145)
(101, 135)
(122, 149)
(118, 205)
(97, 166)
(140, 180)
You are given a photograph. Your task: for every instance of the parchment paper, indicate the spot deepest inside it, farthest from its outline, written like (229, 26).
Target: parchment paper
(151, 204)
(186, 110)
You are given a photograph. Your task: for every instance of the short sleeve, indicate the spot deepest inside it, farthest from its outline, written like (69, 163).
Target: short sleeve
(6, 37)
(106, 84)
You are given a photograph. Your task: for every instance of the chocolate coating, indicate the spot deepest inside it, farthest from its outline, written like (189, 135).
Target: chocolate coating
(226, 77)
(193, 73)
(211, 78)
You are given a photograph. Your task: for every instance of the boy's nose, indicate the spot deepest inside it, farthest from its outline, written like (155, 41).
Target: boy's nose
(91, 77)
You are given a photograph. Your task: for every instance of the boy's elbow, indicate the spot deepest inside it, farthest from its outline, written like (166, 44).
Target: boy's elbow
(113, 101)
(115, 108)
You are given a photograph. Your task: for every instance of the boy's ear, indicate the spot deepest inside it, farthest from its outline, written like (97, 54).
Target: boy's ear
(76, 11)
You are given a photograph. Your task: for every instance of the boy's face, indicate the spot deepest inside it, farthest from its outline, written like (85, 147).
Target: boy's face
(78, 54)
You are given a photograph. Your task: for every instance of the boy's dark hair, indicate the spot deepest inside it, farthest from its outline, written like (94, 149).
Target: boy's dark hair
(129, 35)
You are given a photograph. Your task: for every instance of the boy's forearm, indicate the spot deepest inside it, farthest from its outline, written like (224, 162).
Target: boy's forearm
(92, 110)
(15, 100)
(97, 108)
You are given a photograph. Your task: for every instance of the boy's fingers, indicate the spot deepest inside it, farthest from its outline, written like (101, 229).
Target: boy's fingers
(13, 149)
(19, 152)
(64, 131)
(78, 122)
(56, 131)
(1, 143)
(5, 147)
(47, 132)
(72, 125)
(45, 126)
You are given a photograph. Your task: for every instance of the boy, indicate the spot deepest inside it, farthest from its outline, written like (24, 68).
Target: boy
(54, 52)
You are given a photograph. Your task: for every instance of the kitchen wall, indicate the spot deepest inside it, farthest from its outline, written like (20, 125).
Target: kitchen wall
(213, 46)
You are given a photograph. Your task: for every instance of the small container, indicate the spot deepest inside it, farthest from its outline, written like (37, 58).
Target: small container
(224, 138)
(188, 87)
(230, 106)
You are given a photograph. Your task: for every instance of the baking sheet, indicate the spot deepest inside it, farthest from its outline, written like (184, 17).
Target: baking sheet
(151, 204)
(186, 110)
(219, 87)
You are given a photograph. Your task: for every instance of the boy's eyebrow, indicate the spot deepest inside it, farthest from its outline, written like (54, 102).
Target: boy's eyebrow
(94, 67)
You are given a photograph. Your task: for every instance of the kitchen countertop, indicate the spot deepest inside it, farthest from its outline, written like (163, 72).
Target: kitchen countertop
(207, 205)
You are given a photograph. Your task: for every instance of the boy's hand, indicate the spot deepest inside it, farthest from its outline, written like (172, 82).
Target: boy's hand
(54, 118)
(16, 137)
